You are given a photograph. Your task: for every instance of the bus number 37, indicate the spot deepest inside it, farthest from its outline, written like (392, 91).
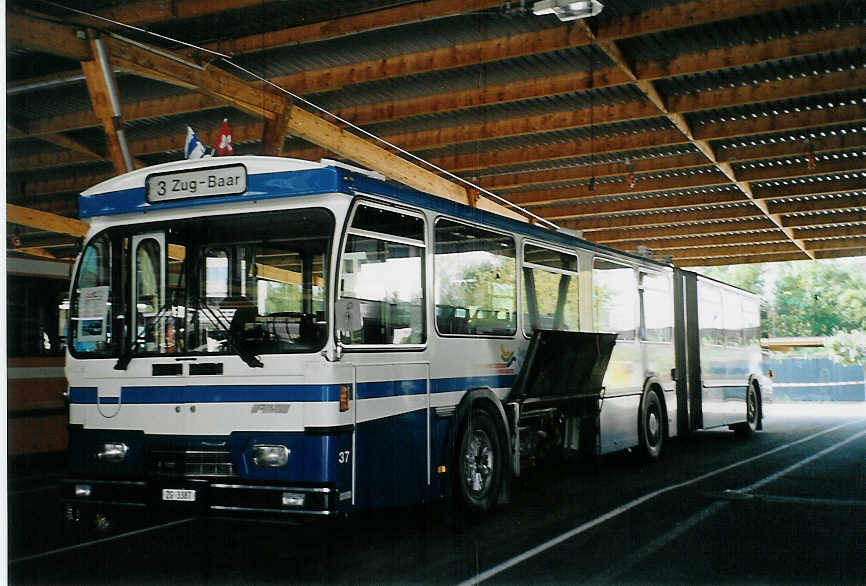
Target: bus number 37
(343, 457)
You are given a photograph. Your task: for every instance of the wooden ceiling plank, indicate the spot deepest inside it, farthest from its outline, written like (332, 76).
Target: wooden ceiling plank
(740, 259)
(476, 53)
(620, 187)
(841, 114)
(852, 229)
(511, 180)
(687, 14)
(349, 25)
(827, 187)
(680, 254)
(841, 253)
(821, 83)
(701, 240)
(522, 126)
(837, 243)
(822, 219)
(692, 214)
(783, 171)
(807, 204)
(670, 230)
(818, 144)
(566, 211)
(800, 45)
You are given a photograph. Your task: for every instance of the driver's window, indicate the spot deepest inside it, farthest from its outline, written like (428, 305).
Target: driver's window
(149, 291)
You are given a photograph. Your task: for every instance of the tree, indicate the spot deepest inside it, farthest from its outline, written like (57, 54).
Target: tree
(749, 277)
(849, 348)
(819, 299)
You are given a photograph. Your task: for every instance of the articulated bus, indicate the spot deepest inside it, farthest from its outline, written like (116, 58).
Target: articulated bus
(271, 336)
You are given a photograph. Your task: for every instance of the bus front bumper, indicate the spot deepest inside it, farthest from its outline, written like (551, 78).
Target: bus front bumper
(193, 496)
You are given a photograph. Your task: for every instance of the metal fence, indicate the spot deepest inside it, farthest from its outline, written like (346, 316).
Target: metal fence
(815, 379)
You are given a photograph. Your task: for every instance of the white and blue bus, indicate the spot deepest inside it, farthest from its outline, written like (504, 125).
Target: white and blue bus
(274, 336)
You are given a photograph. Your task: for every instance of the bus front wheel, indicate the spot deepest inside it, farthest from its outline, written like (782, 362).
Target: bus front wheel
(480, 462)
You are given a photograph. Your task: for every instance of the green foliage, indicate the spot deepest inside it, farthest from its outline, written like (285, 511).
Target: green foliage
(749, 277)
(848, 348)
(819, 299)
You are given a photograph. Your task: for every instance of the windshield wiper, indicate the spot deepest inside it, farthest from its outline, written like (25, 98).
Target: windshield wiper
(234, 342)
(129, 352)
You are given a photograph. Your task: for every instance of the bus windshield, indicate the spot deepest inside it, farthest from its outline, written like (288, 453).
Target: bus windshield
(236, 284)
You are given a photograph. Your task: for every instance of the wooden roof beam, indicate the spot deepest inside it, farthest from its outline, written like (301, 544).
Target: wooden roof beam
(106, 104)
(517, 90)
(27, 32)
(45, 221)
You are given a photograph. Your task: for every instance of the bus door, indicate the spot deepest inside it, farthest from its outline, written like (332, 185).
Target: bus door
(392, 433)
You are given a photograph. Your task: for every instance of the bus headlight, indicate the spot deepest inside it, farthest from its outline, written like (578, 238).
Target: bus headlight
(268, 456)
(113, 452)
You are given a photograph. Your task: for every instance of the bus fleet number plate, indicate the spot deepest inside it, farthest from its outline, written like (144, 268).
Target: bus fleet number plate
(178, 494)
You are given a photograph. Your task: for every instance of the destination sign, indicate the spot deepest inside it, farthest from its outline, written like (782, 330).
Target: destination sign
(207, 182)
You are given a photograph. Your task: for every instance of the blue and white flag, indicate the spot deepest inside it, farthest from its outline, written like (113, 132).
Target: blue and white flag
(194, 148)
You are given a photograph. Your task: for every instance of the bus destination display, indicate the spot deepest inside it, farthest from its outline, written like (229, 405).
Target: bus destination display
(228, 180)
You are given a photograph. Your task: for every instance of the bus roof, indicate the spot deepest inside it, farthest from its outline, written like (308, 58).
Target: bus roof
(280, 177)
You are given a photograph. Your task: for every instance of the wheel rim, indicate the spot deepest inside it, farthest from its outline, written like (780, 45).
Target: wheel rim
(478, 463)
(652, 427)
(752, 407)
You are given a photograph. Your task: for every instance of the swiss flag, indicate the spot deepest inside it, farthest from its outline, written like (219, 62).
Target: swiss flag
(224, 144)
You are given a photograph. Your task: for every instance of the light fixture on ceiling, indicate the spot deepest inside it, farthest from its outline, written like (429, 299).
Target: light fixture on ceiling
(567, 10)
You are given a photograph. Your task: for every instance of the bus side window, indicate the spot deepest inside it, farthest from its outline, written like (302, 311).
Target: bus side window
(383, 269)
(614, 297)
(476, 277)
(551, 290)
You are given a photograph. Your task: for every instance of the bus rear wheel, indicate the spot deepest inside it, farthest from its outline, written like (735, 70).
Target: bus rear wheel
(480, 464)
(651, 427)
(752, 413)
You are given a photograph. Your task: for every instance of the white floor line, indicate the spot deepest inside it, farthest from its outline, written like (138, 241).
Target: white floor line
(98, 541)
(612, 574)
(530, 553)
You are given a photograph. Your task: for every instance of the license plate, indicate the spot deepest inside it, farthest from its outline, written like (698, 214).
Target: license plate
(178, 494)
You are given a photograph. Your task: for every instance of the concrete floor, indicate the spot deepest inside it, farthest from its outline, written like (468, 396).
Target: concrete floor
(787, 505)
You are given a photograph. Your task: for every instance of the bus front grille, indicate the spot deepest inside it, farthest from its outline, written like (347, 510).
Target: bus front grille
(197, 462)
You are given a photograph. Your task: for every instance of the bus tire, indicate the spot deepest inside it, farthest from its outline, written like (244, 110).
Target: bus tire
(480, 462)
(651, 427)
(753, 410)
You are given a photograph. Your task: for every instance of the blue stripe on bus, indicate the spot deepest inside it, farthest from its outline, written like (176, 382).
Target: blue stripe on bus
(283, 393)
(260, 186)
